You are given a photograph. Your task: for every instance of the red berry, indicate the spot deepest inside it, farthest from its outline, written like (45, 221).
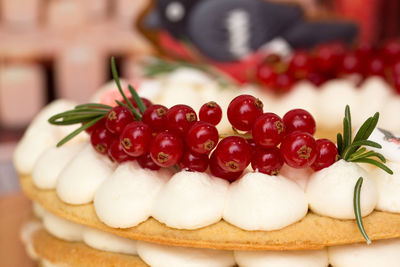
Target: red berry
(117, 153)
(135, 138)
(117, 118)
(202, 137)
(217, 171)
(300, 65)
(396, 82)
(194, 162)
(391, 51)
(243, 111)
(147, 162)
(268, 161)
(252, 144)
(166, 149)
(268, 130)
(101, 139)
(316, 78)
(396, 68)
(284, 82)
(364, 51)
(299, 120)
(298, 150)
(180, 118)
(266, 75)
(327, 154)
(327, 57)
(233, 154)
(375, 66)
(210, 112)
(350, 64)
(156, 117)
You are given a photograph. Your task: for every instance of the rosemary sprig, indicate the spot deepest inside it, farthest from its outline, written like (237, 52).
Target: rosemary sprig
(357, 210)
(353, 150)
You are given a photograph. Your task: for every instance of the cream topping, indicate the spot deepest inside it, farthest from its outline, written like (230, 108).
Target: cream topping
(379, 253)
(261, 202)
(166, 256)
(299, 176)
(51, 162)
(389, 141)
(125, 198)
(108, 242)
(79, 180)
(306, 258)
(190, 200)
(330, 191)
(62, 228)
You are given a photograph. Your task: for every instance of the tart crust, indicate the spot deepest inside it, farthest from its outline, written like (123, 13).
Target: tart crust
(312, 232)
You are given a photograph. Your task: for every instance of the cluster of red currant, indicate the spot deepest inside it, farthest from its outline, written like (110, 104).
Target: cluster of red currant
(330, 61)
(169, 137)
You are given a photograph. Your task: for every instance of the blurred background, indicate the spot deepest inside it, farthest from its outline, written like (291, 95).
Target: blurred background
(61, 48)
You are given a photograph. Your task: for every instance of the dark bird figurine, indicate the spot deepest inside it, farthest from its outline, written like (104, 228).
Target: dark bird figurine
(389, 136)
(229, 30)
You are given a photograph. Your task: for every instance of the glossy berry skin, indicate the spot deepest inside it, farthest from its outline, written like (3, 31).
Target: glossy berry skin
(376, 67)
(299, 120)
(233, 154)
(117, 153)
(327, 154)
(101, 140)
(100, 124)
(194, 162)
(146, 162)
(135, 138)
(243, 111)
(180, 118)
(156, 117)
(166, 149)
(284, 82)
(210, 112)
(299, 150)
(266, 75)
(350, 64)
(202, 137)
(117, 118)
(217, 171)
(268, 161)
(391, 51)
(300, 65)
(268, 130)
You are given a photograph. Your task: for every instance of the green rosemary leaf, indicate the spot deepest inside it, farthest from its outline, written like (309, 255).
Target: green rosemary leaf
(357, 209)
(347, 114)
(349, 150)
(346, 132)
(339, 140)
(372, 126)
(116, 79)
(374, 162)
(137, 115)
(137, 99)
(369, 154)
(78, 131)
(361, 132)
(93, 105)
(356, 154)
(121, 104)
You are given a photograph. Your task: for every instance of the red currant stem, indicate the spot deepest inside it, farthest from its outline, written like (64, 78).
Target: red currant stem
(137, 99)
(79, 130)
(357, 209)
(116, 79)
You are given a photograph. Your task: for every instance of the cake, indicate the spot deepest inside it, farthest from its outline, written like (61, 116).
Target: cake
(316, 209)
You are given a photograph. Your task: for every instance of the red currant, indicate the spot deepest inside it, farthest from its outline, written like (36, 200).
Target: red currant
(166, 149)
(210, 112)
(391, 51)
(300, 65)
(180, 118)
(268, 161)
(147, 162)
(243, 111)
(101, 139)
(156, 117)
(350, 64)
(266, 75)
(117, 153)
(298, 150)
(233, 154)
(327, 57)
(194, 162)
(316, 78)
(327, 154)
(135, 138)
(117, 118)
(284, 82)
(217, 171)
(100, 124)
(375, 66)
(202, 137)
(299, 120)
(268, 130)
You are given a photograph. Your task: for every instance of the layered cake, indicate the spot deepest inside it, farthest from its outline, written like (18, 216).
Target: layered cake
(125, 181)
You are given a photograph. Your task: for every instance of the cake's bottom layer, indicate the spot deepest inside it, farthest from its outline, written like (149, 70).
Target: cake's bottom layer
(312, 232)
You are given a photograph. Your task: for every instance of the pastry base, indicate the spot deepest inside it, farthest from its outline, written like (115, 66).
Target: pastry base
(312, 232)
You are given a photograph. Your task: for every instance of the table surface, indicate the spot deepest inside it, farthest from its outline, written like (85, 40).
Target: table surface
(14, 209)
